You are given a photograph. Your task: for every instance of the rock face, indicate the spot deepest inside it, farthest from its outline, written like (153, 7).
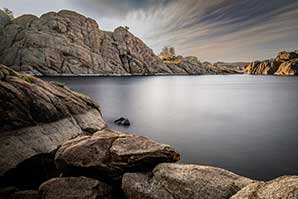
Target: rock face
(283, 187)
(75, 187)
(69, 43)
(285, 63)
(183, 181)
(36, 117)
(110, 154)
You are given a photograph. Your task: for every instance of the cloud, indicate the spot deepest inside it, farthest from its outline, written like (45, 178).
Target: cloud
(225, 30)
(228, 30)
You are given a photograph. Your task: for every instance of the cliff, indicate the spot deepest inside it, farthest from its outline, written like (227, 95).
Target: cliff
(71, 44)
(285, 63)
(55, 144)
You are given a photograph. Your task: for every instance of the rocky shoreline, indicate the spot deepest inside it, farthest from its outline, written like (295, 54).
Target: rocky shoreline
(284, 64)
(54, 143)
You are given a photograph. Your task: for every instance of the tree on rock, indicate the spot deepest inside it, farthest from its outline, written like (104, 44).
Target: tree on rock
(9, 13)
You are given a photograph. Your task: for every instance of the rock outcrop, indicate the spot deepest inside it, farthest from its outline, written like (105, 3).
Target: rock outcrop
(109, 154)
(283, 187)
(175, 181)
(192, 66)
(75, 187)
(67, 43)
(285, 63)
(36, 117)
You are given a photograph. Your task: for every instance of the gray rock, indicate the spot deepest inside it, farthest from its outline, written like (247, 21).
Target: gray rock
(69, 43)
(75, 187)
(175, 181)
(283, 187)
(36, 117)
(109, 154)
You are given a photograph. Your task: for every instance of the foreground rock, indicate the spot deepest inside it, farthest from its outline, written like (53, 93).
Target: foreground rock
(36, 117)
(175, 181)
(285, 63)
(283, 187)
(110, 154)
(75, 187)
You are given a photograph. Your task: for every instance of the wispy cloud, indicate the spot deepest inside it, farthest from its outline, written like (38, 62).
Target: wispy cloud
(226, 30)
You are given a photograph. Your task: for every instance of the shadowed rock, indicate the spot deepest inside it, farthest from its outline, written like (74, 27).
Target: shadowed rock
(75, 187)
(175, 181)
(283, 187)
(37, 116)
(110, 154)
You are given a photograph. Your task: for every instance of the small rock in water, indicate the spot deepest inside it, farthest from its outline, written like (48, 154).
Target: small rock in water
(122, 121)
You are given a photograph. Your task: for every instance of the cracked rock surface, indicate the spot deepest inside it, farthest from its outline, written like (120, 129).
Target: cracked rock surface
(75, 187)
(282, 187)
(69, 43)
(174, 181)
(37, 116)
(110, 154)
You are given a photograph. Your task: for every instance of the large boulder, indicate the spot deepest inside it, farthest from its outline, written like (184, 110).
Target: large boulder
(36, 117)
(109, 154)
(69, 43)
(75, 187)
(175, 181)
(283, 187)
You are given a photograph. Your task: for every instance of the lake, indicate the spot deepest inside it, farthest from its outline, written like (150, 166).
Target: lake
(246, 124)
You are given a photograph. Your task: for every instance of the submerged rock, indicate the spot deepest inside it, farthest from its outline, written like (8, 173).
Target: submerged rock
(109, 154)
(175, 181)
(283, 187)
(75, 187)
(122, 121)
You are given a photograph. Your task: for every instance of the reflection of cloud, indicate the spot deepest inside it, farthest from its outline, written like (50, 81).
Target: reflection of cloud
(226, 30)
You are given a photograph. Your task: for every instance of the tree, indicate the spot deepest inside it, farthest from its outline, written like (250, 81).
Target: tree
(9, 13)
(172, 52)
(126, 27)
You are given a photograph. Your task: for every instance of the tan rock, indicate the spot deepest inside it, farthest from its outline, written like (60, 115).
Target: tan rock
(110, 154)
(175, 181)
(280, 188)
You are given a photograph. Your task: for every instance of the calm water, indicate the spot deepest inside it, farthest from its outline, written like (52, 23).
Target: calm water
(247, 124)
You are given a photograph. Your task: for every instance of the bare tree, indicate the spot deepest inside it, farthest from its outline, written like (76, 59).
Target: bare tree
(8, 12)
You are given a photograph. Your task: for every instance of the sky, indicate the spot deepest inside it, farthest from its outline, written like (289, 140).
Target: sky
(212, 30)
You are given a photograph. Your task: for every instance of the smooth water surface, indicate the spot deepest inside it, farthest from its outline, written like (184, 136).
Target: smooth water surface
(246, 124)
